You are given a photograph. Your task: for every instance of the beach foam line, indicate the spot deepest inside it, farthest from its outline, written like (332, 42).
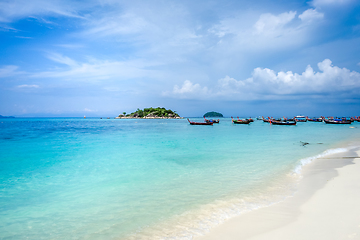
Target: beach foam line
(308, 160)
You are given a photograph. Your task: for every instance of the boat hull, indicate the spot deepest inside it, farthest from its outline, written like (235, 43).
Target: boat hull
(240, 122)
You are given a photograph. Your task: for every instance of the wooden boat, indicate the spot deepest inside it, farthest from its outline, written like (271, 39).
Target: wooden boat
(265, 120)
(314, 119)
(250, 119)
(300, 119)
(288, 119)
(274, 122)
(212, 120)
(200, 123)
(337, 121)
(240, 121)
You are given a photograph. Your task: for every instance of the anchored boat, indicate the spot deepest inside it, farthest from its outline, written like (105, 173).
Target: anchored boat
(200, 123)
(337, 121)
(240, 121)
(212, 120)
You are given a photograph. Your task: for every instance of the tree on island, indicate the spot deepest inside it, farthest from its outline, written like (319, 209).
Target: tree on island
(213, 114)
(152, 113)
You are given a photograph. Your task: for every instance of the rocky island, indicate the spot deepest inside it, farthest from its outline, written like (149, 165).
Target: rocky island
(150, 113)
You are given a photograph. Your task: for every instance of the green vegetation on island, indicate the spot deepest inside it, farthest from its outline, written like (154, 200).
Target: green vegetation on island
(151, 113)
(6, 116)
(213, 114)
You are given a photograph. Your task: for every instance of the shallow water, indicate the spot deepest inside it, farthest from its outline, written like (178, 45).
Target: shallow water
(70, 178)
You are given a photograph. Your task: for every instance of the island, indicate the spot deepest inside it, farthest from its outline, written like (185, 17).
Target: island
(6, 116)
(150, 113)
(213, 114)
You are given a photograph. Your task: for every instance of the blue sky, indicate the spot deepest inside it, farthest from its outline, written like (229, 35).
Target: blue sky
(246, 58)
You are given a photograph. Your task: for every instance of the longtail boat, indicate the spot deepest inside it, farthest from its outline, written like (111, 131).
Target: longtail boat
(314, 119)
(265, 120)
(200, 123)
(274, 122)
(300, 119)
(337, 121)
(240, 121)
(212, 120)
(289, 119)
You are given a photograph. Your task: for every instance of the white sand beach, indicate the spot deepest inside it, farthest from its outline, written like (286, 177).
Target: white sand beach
(326, 206)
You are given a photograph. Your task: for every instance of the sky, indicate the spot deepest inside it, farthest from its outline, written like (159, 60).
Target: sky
(66, 58)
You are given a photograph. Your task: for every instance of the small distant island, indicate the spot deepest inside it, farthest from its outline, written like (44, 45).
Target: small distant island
(150, 113)
(213, 114)
(6, 116)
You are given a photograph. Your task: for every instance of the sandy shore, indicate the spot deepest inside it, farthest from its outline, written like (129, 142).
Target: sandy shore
(326, 206)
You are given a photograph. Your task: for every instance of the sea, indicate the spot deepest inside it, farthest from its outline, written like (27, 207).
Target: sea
(76, 178)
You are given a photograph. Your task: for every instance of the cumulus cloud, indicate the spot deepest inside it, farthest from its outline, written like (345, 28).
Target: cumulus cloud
(188, 90)
(267, 84)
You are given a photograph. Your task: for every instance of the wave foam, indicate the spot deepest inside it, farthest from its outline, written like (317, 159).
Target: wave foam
(306, 161)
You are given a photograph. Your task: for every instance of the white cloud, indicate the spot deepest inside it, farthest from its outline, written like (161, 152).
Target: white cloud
(8, 71)
(62, 59)
(69, 46)
(28, 86)
(188, 90)
(268, 32)
(23, 37)
(94, 69)
(269, 23)
(267, 84)
(7, 28)
(123, 23)
(311, 15)
(17, 9)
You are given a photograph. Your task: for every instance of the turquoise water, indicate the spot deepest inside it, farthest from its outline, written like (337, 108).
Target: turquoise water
(71, 178)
